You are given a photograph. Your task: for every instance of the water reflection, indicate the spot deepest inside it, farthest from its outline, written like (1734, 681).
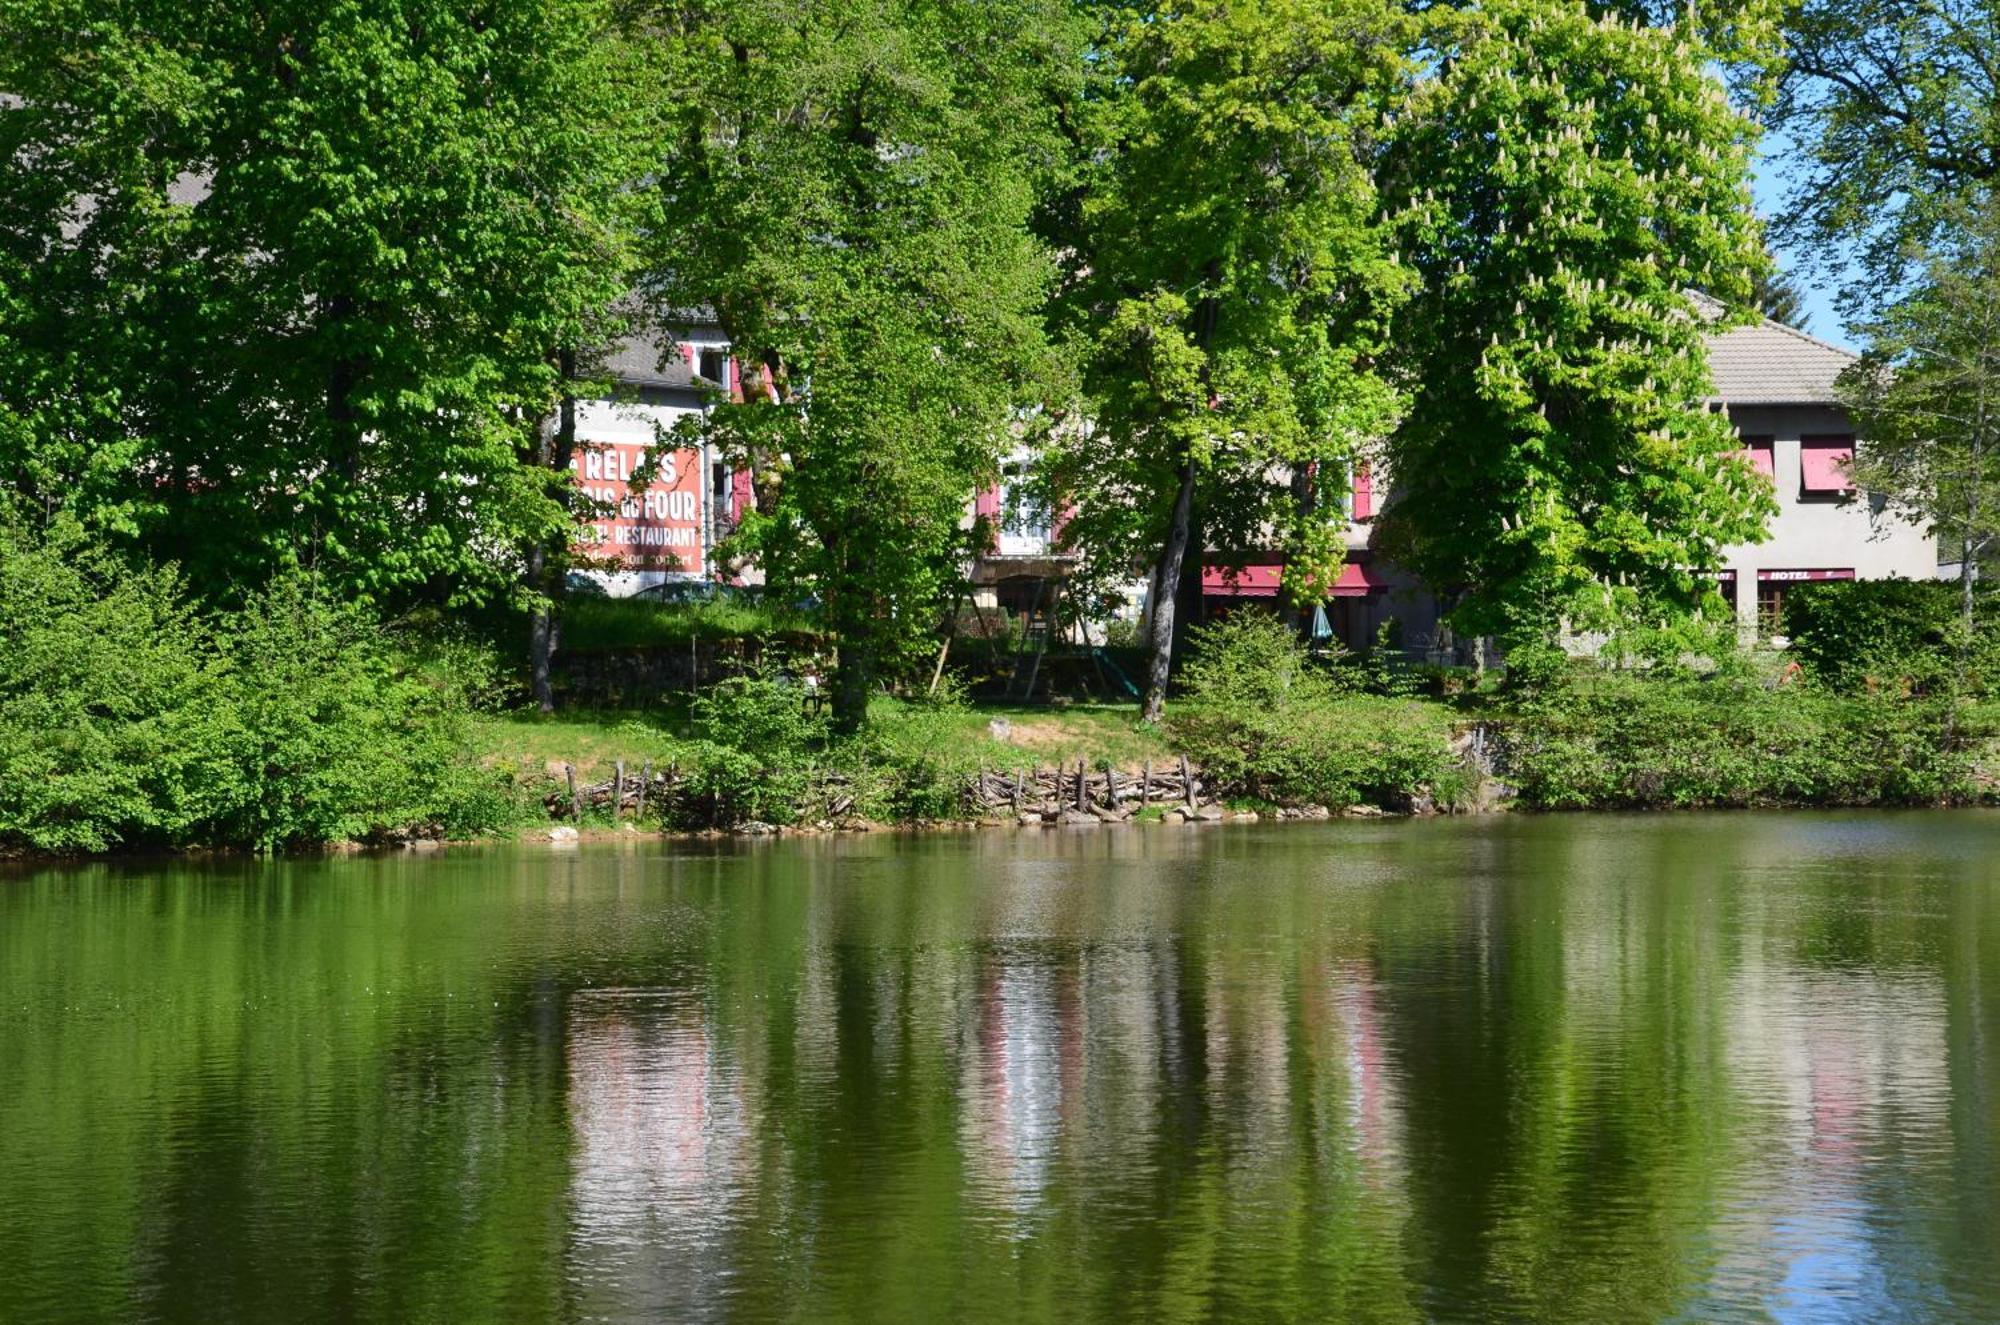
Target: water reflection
(1581, 1069)
(660, 1155)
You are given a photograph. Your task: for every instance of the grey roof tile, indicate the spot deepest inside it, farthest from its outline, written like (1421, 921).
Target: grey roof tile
(1769, 363)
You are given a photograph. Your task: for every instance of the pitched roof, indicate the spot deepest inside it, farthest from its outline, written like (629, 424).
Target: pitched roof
(649, 359)
(1769, 363)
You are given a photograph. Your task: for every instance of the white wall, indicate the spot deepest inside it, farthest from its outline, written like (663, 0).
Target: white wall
(1821, 532)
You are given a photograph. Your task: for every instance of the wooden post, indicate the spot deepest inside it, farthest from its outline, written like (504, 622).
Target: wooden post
(1082, 785)
(1187, 782)
(575, 800)
(1110, 787)
(1146, 785)
(1017, 790)
(618, 792)
(645, 784)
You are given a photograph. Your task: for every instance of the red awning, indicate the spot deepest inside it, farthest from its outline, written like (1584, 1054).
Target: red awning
(1820, 465)
(1758, 451)
(1357, 582)
(1241, 582)
(1262, 581)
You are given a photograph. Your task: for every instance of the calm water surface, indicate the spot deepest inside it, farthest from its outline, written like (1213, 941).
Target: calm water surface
(1556, 1069)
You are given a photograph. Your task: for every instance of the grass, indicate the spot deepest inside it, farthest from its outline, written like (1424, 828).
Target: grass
(595, 739)
(1097, 733)
(592, 739)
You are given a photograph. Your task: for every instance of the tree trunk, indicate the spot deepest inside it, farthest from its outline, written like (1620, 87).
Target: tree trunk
(1166, 589)
(853, 678)
(555, 442)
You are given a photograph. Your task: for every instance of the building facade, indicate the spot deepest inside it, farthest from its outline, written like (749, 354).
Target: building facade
(1778, 387)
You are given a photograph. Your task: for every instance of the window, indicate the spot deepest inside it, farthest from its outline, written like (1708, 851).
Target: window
(1771, 606)
(1822, 465)
(713, 365)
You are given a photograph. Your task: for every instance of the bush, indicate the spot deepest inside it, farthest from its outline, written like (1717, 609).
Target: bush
(128, 718)
(1620, 740)
(1845, 631)
(114, 723)
(1264, 721)
(341, 732)
(914, 762)
(753, 752)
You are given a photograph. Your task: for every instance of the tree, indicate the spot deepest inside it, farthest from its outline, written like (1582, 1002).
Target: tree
(1229, 277)
(1895, 110)
(292, 284)
(1926, 398)
(1776, 295)
(1561, 182)
(850, 190)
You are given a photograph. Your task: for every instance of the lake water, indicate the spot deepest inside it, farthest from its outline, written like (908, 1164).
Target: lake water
(1596, 1069)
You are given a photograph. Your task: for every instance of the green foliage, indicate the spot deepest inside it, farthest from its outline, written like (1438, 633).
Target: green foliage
(1228, 283)
(592, 625)
(287, 285)
(343, 734)
(1926, 397)
(1560, 181)
(1252, 658)
(113, 728)
(129, 719)
(1626, 740)
(1265, 722)
(1891, 109)
(915, 767)
(1838, 628)
(850, 195)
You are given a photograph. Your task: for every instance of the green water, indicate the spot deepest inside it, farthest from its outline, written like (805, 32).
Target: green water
(1555, 1069)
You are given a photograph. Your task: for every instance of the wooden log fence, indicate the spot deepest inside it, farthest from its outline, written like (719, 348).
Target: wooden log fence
(667, 795)
(1052, 791)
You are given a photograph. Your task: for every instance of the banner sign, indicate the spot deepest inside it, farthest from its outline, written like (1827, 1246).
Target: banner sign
(1795, 575)
(657, 527)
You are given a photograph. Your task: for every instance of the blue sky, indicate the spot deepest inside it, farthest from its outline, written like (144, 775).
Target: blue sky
(1769, 187)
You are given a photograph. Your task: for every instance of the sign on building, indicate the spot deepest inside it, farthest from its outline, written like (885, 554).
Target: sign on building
(654, 525)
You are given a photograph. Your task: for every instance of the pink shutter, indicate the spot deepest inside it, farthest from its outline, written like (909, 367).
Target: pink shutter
(1758, 450)
(1822, 461)
(742, 496)
(986, 506)
(1364, 492)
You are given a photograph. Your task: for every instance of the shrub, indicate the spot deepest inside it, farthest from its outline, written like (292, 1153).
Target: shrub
(1264, 721)
(1845, 631)
(343, 733)
(914, 761)
(113, 720)
(128, 718)
(1616, 740)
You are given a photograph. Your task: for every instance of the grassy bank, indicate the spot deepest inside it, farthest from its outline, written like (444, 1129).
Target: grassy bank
(131, 718)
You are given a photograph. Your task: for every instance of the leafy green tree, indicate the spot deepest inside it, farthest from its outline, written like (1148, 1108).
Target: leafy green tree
(1777, 295)
(290, 284)
(1229, 277)
(849, 191)
(1561, 181)
(1926, 400)
(1895, 110)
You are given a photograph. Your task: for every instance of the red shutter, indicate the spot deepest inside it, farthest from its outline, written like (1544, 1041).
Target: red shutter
(1821, 464)
(1364, 492)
